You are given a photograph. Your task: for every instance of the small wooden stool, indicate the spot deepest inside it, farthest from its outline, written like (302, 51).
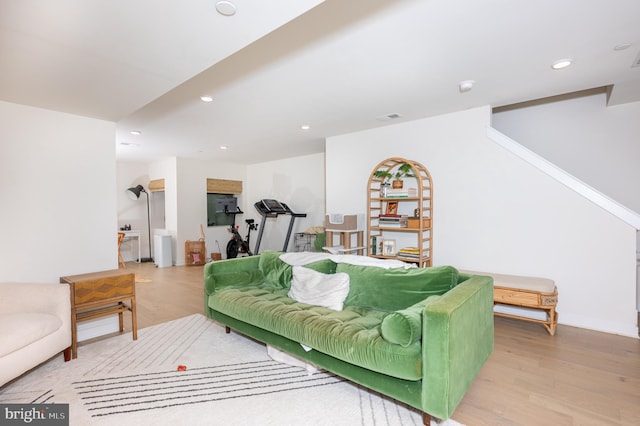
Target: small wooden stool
(526, 292)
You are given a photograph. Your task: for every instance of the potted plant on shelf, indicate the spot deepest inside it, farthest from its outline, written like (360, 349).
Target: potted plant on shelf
(404, 170)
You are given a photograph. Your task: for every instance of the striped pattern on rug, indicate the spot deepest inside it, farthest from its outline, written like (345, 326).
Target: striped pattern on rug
(229, 379)
(163, 344)
(149, 391)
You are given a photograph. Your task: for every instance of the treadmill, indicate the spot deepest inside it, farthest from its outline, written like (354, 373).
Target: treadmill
(269, 208)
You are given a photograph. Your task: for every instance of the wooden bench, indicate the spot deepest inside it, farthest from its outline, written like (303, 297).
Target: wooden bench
(530, 294)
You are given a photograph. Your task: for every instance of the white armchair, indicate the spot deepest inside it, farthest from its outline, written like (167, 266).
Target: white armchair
(35, 325)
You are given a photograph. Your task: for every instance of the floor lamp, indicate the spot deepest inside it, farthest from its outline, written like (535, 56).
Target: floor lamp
(134, 194)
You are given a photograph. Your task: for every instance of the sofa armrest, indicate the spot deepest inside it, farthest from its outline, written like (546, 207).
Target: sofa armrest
(37, 298)
(241, 268)
(457, 340)
(238, 272)
(54, 299)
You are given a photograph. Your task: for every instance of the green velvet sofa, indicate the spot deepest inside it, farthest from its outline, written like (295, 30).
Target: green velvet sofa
(417, 335)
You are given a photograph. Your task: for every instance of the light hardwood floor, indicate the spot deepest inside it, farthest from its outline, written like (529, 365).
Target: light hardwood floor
(577, 377)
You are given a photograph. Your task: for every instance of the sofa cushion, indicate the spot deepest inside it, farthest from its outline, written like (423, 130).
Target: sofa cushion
(325, 266)
(18, 330)
(395, 289)
(232, 278)
(351, 335)
(404, 327)
(278, 273)
(315, 288)
(275, 271)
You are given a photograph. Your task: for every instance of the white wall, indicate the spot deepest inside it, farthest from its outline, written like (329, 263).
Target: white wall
(57, 186)
(191, 203)
(595, 143)
(494, 212)
(297, 182)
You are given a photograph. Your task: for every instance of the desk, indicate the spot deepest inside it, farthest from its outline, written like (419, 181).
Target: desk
(130, 235)
(100, 294)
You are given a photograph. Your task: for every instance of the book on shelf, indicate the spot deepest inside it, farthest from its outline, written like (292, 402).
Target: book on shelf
(409, 252)
(410, 249)
(392, 225)
(376, 245)
(372, 245)
(402, 193)
(393, 221)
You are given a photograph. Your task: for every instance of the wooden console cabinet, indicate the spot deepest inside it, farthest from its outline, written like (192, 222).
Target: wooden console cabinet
(100, 294)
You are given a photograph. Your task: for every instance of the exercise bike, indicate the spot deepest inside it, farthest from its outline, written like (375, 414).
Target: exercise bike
(236, 244)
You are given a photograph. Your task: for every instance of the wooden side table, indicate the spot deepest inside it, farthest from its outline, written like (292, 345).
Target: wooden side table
(100, 294)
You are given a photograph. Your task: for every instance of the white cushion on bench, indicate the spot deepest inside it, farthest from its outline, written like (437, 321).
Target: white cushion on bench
(540, 285)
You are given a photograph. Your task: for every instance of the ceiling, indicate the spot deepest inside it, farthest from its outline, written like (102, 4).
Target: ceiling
(337, 66)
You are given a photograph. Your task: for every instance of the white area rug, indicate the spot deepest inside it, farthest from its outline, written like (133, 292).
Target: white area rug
(229, 380)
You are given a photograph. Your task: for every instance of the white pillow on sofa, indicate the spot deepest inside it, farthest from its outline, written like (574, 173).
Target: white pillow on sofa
(315, 288)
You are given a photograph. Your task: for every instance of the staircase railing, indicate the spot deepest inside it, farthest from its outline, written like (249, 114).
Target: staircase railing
(621, 212)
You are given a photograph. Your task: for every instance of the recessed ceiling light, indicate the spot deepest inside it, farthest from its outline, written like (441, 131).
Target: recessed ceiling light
(224, 147)
(466, 85)
(136, 132)
(392, 116)
(561, 64)
(622, 46)
(305, 127)
(226, 8)
(206, 98)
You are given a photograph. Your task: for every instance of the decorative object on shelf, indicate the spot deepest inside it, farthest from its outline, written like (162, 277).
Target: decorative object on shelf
(414, 222)
(392, 208)
(396, 176)
(389, 247)
(384, 189)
